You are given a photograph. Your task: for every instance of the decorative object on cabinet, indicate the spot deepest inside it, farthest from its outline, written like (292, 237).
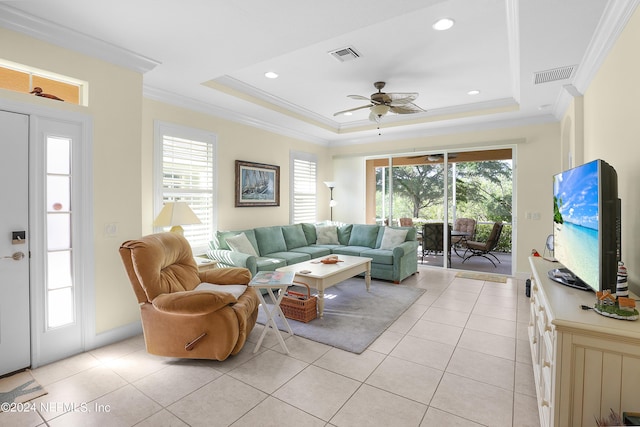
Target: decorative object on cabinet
(622, 308)
(257, 184)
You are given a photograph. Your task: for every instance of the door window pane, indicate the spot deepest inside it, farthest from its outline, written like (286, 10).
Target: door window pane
(58, 193)
(58, 156)
(60, 311)
(59, 270)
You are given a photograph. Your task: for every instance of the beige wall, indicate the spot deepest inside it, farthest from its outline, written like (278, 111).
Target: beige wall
(612, 133)
(537, 158)
(116, 113)
(234, 142)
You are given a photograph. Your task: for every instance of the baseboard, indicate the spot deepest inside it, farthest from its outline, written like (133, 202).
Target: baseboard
(114, 335)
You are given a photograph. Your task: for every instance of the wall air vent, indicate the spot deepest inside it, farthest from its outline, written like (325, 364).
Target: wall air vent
(553, 75)
(345, 54)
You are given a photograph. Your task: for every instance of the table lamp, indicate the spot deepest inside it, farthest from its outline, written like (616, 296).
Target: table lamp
(176, 214)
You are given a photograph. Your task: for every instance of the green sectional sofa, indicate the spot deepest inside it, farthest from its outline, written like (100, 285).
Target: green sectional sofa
(394, 257)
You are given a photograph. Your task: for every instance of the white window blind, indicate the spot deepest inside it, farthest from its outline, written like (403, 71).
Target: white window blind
(188, 175)
(304, 180)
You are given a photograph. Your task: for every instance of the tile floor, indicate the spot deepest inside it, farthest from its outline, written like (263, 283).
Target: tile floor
(458, 356)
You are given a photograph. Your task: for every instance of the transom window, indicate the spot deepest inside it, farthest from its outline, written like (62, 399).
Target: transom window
(25, 79)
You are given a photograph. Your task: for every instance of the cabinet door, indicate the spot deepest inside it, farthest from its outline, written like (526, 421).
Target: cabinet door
(599, 375)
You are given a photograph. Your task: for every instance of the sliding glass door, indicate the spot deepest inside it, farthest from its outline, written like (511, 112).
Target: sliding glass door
(431, 190)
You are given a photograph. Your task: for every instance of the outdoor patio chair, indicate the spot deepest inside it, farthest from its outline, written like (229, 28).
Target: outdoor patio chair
(483, 249)
(432, 239)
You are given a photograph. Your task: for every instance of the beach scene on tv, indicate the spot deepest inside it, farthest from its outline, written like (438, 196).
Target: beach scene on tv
(575, 221)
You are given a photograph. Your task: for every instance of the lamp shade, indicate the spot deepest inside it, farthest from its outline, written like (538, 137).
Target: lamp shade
(176, 214)
(330, 184)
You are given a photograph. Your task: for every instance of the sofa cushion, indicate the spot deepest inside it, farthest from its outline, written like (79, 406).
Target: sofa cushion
(344, 233)
(309, 232)
(220, 241)
(291, 257)
(240, 243)
(392, 237)
(294, 236)
(364, 235)
(379, 256)
(314, 251)
(350, 250)
(327, 235)
(269, 264)
(270, 240)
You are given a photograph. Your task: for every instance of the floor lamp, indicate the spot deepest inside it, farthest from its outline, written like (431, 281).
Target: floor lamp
(332, 202)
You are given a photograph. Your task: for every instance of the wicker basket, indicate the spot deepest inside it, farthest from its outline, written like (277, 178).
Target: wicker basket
(298, 306)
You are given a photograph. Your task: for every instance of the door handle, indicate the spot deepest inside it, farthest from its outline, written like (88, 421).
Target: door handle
(17, 256)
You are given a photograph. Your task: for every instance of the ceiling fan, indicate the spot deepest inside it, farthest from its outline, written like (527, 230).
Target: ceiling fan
(380, 103)
(438, 157)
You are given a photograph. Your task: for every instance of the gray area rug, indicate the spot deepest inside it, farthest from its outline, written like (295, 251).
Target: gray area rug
(353, 318)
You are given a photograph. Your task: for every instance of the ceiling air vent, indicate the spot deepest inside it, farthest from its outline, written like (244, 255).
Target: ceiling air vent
(345, 54)
(553, 75)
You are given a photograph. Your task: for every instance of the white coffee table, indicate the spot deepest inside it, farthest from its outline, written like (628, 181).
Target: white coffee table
(322, 276)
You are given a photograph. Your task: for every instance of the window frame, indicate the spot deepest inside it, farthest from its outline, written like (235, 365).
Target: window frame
(306, 157)
(162, 129)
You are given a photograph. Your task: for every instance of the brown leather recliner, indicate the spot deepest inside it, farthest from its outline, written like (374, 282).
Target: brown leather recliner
(177, 320)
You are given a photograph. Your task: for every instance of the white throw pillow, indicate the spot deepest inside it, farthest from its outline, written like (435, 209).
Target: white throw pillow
(392, 237)
(235, 290)
(240, 243)
(327, 235)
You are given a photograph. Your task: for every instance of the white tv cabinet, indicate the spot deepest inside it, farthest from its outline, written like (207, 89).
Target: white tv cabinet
(584, 364)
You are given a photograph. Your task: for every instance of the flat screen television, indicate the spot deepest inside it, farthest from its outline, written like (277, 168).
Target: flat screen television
(586, 226)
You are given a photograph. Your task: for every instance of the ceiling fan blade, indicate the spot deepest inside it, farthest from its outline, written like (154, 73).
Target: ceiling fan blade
(397, 98)
(409, 108)
(351, 109)
(360, 97)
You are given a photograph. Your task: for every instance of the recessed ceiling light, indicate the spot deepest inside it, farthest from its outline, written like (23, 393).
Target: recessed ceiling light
(271, 75)
(443, 24)
(544, 107)
(473, 92)
(348, 113)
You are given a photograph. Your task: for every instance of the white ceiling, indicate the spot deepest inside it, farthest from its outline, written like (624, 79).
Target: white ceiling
(211, 55)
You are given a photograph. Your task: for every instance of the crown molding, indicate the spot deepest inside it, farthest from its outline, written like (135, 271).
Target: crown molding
(50, 32)
(174, 99)
(614, 19)
(291, 109)
(447, 128)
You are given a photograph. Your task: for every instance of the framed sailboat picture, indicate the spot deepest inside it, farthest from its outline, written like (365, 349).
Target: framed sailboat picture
(257, 184)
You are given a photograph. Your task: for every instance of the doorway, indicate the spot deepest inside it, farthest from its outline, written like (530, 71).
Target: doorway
(44, 296)
(15, 345)
(431, 187)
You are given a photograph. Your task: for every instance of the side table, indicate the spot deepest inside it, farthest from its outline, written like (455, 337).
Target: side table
(271, 280)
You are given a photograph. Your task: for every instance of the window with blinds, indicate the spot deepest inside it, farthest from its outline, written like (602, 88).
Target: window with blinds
(187, 174)
(303, 183)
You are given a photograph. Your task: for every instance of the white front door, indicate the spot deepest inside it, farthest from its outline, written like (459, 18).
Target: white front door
(15, 348)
